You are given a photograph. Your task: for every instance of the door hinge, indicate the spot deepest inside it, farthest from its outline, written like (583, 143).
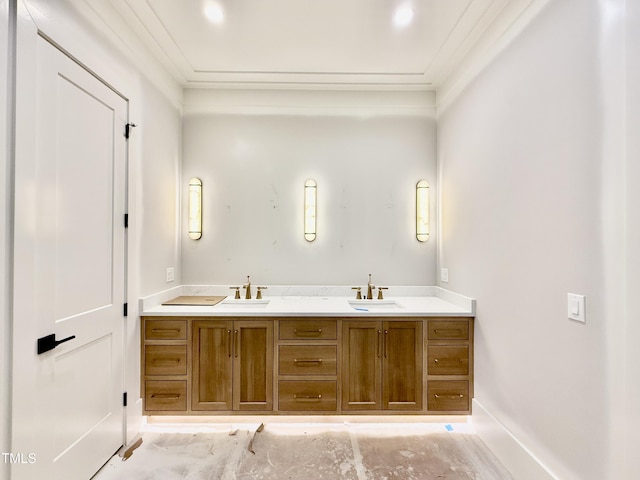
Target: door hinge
(126, 309)
(126, 220)
(124, 399)
(127, 129)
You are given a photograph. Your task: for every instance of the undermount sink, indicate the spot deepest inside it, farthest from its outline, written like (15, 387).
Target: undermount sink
(374, 304)
(245, 303)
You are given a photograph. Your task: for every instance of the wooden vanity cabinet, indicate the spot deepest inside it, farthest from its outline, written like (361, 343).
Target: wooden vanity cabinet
(200, 365)
(382, 365)
(449, 365)
(232, 365)
(307, 365)
(164, 365)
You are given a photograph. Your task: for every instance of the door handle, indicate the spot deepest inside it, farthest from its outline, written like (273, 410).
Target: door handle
(49, 342)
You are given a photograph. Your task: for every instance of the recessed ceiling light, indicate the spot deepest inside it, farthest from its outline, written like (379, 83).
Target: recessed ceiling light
(214, 13)
(403, 16)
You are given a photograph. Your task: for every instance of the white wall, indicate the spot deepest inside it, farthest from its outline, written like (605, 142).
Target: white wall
(5, 237)
(531, 169)
(254, 151)
(627, 430)
(160, 128)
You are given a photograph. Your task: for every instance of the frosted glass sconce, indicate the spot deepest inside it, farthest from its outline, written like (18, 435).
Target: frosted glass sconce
(422, 211)
(310, 209)
(195, 208)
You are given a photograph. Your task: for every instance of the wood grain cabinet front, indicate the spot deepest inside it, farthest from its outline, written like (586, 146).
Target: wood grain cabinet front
(307, 395)
(449, 365)
(202, 365)
(382, 365)
(164, 365)
(232, 365)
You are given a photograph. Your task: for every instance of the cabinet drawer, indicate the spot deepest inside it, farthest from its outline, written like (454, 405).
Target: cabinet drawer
(165, 329)
(307, 396)
(308, 329)
(448, 396)
(165, 395)
(448, 330)
(448, 360)
(165, 360)
(307, 360)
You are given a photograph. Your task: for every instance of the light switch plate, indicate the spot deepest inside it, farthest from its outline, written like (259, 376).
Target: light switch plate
(444, 275)
(170, 274)
(576, 307)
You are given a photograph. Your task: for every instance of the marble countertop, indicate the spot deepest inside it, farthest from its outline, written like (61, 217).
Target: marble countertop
(314, 301)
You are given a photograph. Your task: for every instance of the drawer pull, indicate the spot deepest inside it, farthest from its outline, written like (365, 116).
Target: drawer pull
(165, 396)
(460, 360)
(307, 360)
(307, 397)
(448, 331)
(453, 397)
(307, 333)
(164, 361)
(165, 330)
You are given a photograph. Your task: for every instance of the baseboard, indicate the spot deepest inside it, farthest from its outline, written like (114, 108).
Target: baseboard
(520, 462)
(135, 421)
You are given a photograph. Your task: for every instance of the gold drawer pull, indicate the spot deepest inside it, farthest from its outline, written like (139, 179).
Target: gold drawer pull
(452, 397)
(460, 360)
(165, 330)
(307, 333)
(307, 360)
(307, 397)
(165, 360)
(165, 396)
(448, 331)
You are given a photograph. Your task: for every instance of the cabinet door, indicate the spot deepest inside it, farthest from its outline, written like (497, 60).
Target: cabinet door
(253, 365)
(211, 383)
(402, 366)
(361, 365)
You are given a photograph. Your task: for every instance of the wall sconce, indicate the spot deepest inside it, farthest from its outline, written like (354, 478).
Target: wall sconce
(195, 208)
(310, 210)
(422, 211)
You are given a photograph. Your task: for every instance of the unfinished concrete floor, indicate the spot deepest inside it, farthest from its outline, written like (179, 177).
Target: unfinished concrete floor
(282, 451)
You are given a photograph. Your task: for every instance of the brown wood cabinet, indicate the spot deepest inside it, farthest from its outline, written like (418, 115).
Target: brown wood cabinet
(449, 365)
(164, 355)
(232, 365)
(206, 365)
(382, 365)
(307, 351)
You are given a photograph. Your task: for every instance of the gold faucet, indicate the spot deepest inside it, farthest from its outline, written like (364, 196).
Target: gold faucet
(259, 294)
(248, 288)
(370, 288)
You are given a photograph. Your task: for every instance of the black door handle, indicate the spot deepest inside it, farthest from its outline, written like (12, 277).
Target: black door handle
(49, 342)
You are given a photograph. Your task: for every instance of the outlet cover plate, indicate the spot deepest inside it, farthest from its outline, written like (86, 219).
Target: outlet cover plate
(171, 276)
(444, 275)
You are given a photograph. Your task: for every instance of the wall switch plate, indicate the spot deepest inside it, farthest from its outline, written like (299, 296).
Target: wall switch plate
(170, 274)
(444, 275)
(576, 307)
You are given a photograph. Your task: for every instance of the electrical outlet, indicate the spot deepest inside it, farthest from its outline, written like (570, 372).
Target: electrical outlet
(444, 275)
(170, 274)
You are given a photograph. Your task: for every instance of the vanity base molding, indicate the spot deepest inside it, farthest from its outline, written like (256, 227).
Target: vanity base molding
(309, 365)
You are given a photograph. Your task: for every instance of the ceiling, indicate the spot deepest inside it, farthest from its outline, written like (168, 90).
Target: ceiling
(312, 43)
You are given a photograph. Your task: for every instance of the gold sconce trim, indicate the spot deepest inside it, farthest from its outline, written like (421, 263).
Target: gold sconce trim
(310, 209)
(422, 211)
(195, 208)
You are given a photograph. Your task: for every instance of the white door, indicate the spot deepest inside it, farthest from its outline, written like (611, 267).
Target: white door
(80, 192)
